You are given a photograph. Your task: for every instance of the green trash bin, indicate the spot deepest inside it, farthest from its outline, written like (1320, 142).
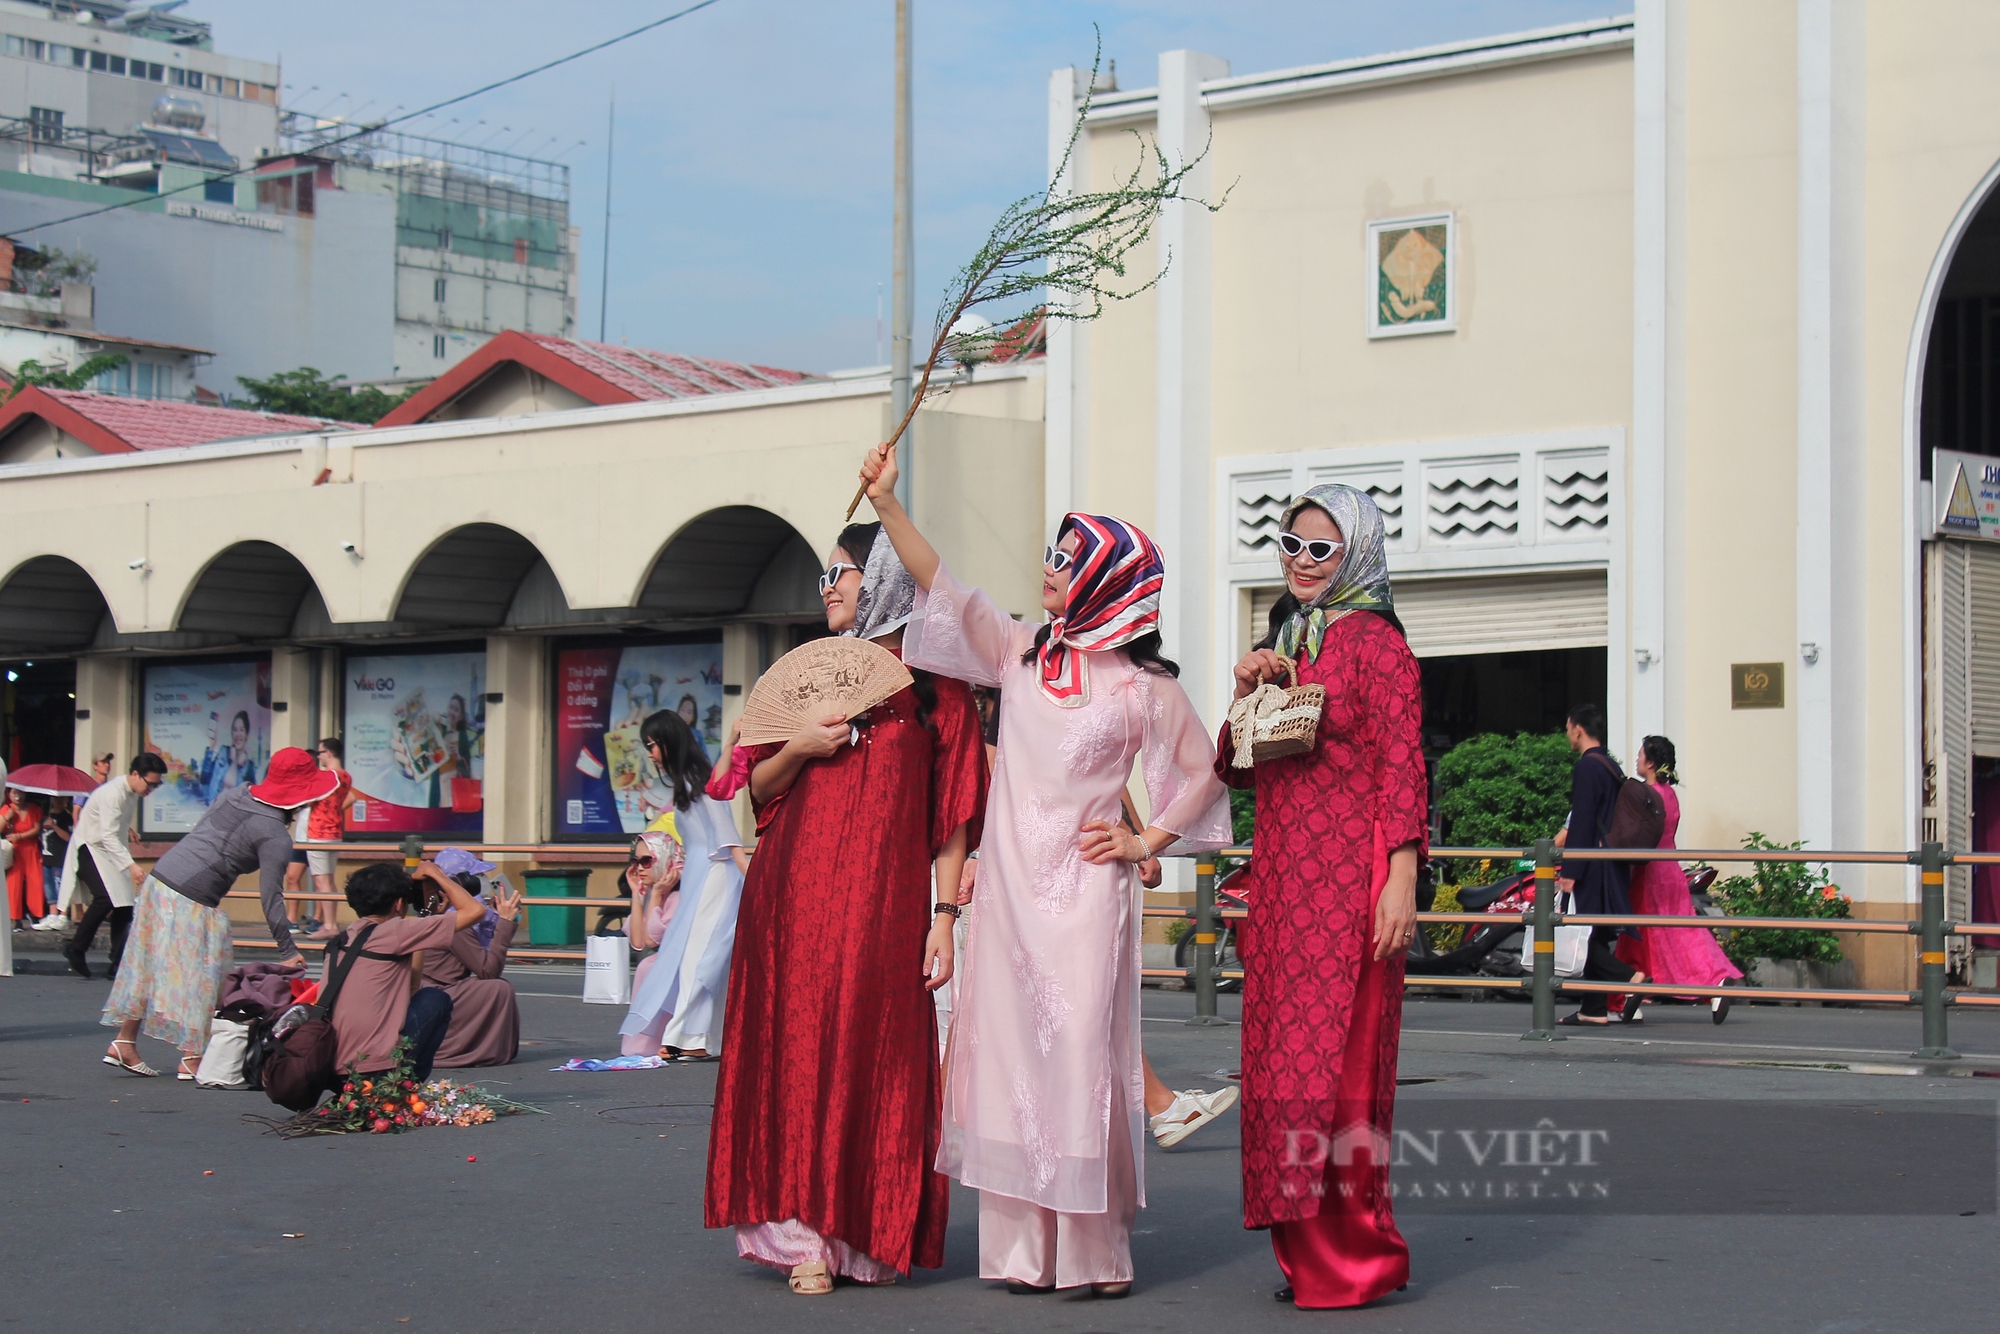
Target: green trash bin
(548, 924)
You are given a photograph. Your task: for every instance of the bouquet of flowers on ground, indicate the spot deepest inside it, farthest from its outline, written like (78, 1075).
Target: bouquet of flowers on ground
(388, 1102)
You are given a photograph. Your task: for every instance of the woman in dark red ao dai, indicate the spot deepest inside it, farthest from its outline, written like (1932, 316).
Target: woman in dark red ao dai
(1340, 832)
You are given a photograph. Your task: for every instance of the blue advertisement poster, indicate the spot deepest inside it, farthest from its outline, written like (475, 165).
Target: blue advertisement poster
(605, 785)
(211, 723)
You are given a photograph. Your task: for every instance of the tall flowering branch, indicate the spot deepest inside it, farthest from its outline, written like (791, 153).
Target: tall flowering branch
(1070, 250)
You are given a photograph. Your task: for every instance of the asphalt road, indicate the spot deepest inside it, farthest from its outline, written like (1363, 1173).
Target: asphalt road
(590, 1217)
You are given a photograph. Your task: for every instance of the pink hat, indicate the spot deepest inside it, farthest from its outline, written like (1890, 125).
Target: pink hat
(294, 779)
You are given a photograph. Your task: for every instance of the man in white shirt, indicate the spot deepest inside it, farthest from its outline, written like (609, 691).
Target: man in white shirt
(99, 860)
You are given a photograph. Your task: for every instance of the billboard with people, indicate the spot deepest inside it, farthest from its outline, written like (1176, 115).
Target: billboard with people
(604, 784)
(211, 723)
(416, 742)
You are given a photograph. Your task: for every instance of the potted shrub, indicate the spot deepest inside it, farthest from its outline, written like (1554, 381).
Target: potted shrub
(1776, 957)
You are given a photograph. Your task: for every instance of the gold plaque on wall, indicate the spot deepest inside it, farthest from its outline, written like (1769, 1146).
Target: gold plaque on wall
(1757, 685)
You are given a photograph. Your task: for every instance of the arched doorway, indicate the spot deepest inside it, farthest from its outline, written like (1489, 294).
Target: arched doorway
(50, 610)
(735, 561)
(252, 591)
(468, 579)
(1953, 428)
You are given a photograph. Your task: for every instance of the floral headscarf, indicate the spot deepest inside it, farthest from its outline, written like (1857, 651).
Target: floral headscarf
(1360, 582)
(888, 592)
(1114, 598)
(666, 853)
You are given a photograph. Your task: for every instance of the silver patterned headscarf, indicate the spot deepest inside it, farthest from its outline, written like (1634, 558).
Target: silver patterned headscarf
(1360, 582)
(888, 592)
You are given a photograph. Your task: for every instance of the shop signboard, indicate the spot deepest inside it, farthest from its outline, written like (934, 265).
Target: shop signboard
(1965, 491)
(211, 723)
(605, 785)
(416, 742)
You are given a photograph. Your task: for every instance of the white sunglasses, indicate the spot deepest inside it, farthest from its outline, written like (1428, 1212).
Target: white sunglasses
(832, 576)
(1319, 548)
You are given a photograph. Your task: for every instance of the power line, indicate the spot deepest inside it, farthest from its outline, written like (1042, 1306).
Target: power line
(379, 125)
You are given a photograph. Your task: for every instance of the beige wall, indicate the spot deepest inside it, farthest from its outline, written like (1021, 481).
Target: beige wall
(1741, 413)
(1119, 355)
(1535, 163)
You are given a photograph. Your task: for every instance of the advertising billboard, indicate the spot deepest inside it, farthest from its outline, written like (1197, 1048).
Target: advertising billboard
(604, 784)
(211, 723)
(416, 742)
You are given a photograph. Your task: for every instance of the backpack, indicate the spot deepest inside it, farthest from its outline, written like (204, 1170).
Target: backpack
(295, 1056)
(1638, 817)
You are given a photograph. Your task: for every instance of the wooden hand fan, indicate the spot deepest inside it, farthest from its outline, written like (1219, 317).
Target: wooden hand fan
(817, 678)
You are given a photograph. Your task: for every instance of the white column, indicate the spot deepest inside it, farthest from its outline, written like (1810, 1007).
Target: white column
(1831, 658)
(1644, 701)
(107, 716)
(517, 787)
(291, 686)
(1063, 447)
(1182, 471)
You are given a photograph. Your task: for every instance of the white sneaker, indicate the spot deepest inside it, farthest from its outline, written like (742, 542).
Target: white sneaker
(53, 922)
(1191, 1110)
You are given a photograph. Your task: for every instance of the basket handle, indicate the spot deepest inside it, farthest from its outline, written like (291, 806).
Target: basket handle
(1291, 667)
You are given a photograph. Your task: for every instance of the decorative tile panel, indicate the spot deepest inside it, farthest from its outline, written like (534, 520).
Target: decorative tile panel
(1576, 496)
(1472, 502)
(1382, 482)
(1260, 502)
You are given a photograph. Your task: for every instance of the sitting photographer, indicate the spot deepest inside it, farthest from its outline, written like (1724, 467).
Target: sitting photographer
(382, 1001)
(485, 1018)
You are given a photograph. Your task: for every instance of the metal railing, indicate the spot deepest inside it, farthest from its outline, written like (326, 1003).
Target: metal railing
(1931, 926)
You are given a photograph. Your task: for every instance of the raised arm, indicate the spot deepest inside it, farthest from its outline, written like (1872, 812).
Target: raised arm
(919, 557)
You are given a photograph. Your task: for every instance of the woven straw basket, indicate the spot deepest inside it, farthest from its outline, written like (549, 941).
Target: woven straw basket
(1278, 720)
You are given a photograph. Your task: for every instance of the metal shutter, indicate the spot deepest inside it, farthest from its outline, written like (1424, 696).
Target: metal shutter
(1504, 614)
(1983, 655)
(1951, 685)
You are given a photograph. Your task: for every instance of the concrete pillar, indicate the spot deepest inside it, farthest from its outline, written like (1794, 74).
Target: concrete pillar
(292, 712)
(1064, 458)
(107, 711)
(517, 731)
(742, 664)
(1183, 472)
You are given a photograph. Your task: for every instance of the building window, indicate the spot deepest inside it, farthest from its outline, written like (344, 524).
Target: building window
(437, 290)
(155, 73)
(45, 124)
(230, 88)
(117, 380)
(16, 47)
(117, 64)
(35, 51)
(142, 375)
(221, 190)
(437, 346)
(444, 238)
(99, 61)
(76, 56)
(215, 83)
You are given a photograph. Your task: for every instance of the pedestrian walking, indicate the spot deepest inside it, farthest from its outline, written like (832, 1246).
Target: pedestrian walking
(1340, 832)
(1660, 889)
(1044, 1110)
(179, 951)
(99, 860)
(681, 999)
(827, 1113)
(1599, 888)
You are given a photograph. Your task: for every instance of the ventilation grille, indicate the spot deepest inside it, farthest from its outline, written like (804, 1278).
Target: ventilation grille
(1474, 503)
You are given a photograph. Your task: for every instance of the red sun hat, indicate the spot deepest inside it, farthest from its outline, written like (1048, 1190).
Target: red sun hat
(294, 779)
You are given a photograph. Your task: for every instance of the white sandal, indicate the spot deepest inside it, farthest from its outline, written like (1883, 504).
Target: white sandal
(136, 1066)
(811, 1279)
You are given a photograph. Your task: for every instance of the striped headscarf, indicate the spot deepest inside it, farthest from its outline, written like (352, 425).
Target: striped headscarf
(1114, 598)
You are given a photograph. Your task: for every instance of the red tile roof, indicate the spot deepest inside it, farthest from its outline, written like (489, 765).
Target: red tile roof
(600, 373)
(112, 425)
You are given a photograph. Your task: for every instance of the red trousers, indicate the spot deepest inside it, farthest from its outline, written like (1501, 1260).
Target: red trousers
(1341, 1256)
(24, 883)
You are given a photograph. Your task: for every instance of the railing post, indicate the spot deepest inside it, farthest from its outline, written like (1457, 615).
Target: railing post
(1930, 962)
(1204, 944)
(413, 851)
(1545, 945)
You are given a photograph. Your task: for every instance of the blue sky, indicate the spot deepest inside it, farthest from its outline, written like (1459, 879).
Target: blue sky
(751, 202)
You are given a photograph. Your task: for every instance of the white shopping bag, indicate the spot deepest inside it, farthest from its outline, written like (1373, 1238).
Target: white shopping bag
(1571, 942)
(607, 970)
(222, 1060)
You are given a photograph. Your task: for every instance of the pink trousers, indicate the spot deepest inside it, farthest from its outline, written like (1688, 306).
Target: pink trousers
(1025, 1243)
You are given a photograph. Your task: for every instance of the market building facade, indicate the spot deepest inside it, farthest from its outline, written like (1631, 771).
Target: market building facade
(1642, 333)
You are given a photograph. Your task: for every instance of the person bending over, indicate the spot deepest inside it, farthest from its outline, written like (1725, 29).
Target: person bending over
(382, 1001)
